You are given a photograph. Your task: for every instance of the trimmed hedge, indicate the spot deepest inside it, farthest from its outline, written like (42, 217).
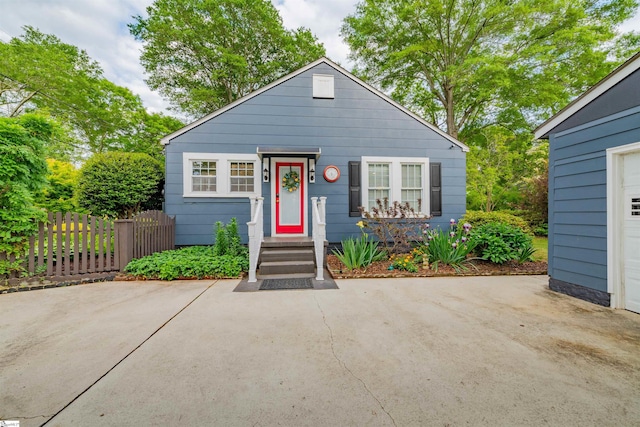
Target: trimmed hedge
(478, 218)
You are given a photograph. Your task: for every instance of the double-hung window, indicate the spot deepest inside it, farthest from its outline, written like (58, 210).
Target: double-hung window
(402, 179)
(220, 175)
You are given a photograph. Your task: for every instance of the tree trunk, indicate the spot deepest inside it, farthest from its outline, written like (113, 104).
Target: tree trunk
(452, 129)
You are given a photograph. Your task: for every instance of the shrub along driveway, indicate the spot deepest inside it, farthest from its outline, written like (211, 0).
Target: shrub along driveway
(426, 351)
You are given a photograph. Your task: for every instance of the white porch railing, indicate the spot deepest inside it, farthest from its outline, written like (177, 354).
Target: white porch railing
(256, 235)
(319, 233)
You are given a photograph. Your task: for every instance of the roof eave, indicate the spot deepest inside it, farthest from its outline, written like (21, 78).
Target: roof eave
(616, 76)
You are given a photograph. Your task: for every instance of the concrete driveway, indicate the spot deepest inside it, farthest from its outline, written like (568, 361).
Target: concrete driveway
(436, 351)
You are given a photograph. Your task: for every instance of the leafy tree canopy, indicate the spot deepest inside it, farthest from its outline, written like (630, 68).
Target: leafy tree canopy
(40, 72)
(117, 184)
(465, 64)
(203, 55)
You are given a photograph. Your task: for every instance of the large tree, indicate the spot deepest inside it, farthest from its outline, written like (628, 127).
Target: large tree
(40, 72)
(202, 55)
(465, 64)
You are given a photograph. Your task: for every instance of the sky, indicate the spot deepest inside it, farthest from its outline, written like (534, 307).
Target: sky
(100, 28)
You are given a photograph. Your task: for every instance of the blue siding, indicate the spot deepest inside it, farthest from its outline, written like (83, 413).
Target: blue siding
(356, 123)
(578, 197)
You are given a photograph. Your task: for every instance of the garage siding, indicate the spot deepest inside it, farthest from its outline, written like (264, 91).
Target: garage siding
(578, 197)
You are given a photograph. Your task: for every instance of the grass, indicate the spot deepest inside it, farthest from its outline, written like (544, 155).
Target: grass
(540, 243)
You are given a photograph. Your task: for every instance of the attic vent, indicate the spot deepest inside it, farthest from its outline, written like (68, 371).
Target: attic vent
(635, 206)
(323, 86)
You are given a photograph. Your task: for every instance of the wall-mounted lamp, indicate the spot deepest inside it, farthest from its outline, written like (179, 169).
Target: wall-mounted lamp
(265, 169)
(312, 171)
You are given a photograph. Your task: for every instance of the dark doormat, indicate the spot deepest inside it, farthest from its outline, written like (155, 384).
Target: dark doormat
(297, 283)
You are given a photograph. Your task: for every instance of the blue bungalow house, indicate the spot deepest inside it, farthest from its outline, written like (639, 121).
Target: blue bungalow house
(594, 192)
(274, 155)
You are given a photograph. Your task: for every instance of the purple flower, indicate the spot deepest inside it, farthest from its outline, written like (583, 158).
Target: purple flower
(466, 226)
(452, 233)
(452, 221)
(464, 239)
(454, 245)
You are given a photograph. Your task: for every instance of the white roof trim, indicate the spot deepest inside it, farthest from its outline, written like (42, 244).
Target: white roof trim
(168, 138)
(615, 77)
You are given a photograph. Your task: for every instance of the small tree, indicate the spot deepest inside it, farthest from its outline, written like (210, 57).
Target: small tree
(57, 195)
(22, 175)
(397, 225)
(118, 185)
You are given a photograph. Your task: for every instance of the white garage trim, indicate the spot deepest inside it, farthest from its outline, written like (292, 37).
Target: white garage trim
(615, 221)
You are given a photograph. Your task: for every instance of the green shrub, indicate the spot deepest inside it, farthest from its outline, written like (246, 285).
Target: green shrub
(193, 261)
(23, 172)
(542, 230)
(227, 240)
(500, 242)
(450, 248)
(478, 218)
(360, 252)
(119, 185)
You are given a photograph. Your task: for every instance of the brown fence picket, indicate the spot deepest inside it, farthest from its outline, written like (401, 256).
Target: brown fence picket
(41, 255)
(66, 254)
(58, 226)
(76, 246)
(84, 255)
(31, 260)
(100, 245)
(50, 244)
(91, 249)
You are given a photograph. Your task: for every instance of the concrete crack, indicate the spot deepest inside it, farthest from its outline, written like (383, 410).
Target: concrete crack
(346, 368)
(129, 354)
(27, 418)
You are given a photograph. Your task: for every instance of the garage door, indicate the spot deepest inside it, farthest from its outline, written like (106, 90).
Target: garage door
(631, 233)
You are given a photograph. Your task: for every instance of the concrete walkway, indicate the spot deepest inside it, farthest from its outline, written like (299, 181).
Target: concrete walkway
(437, 351)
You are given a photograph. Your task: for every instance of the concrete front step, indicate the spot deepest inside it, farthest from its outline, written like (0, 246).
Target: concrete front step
(274, 255)
(287, 267)
(286, 276)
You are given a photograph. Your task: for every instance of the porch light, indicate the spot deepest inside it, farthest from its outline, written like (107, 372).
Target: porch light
(265, 169)
(312, 170)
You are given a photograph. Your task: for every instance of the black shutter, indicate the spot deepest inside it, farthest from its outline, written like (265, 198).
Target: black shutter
(355, 192)
(436, 189)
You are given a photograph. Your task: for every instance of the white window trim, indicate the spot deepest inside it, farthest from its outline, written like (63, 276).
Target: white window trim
(223, 183)
(395, 177)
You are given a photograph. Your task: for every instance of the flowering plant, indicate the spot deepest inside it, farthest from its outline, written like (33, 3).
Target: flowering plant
(450, 248)
(291, 181)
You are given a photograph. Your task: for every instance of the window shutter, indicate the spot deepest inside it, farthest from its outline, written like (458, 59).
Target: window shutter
(355, 191)
(435, 179)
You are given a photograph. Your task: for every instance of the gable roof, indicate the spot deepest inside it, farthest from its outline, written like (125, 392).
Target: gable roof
(168, 138)
(615, 77)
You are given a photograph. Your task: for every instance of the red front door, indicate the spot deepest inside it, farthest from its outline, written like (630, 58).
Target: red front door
(289, 197)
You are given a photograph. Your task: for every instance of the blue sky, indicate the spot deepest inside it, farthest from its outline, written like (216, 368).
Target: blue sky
(99, 27)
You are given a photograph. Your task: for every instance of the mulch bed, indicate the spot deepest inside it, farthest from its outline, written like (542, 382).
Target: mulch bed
(474, 268)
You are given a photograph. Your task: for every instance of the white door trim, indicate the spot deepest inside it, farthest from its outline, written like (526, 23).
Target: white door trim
(615, 221)
(274, 191)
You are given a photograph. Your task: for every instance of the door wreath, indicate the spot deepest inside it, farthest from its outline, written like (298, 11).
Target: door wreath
(291, 181)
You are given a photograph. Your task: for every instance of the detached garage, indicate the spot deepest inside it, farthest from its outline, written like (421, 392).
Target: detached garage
(594, 192)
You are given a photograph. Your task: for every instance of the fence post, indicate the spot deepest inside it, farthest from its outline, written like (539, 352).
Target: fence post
(124, 230)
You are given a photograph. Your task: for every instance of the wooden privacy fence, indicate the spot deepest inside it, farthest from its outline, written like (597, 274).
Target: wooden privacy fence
(72, 244)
